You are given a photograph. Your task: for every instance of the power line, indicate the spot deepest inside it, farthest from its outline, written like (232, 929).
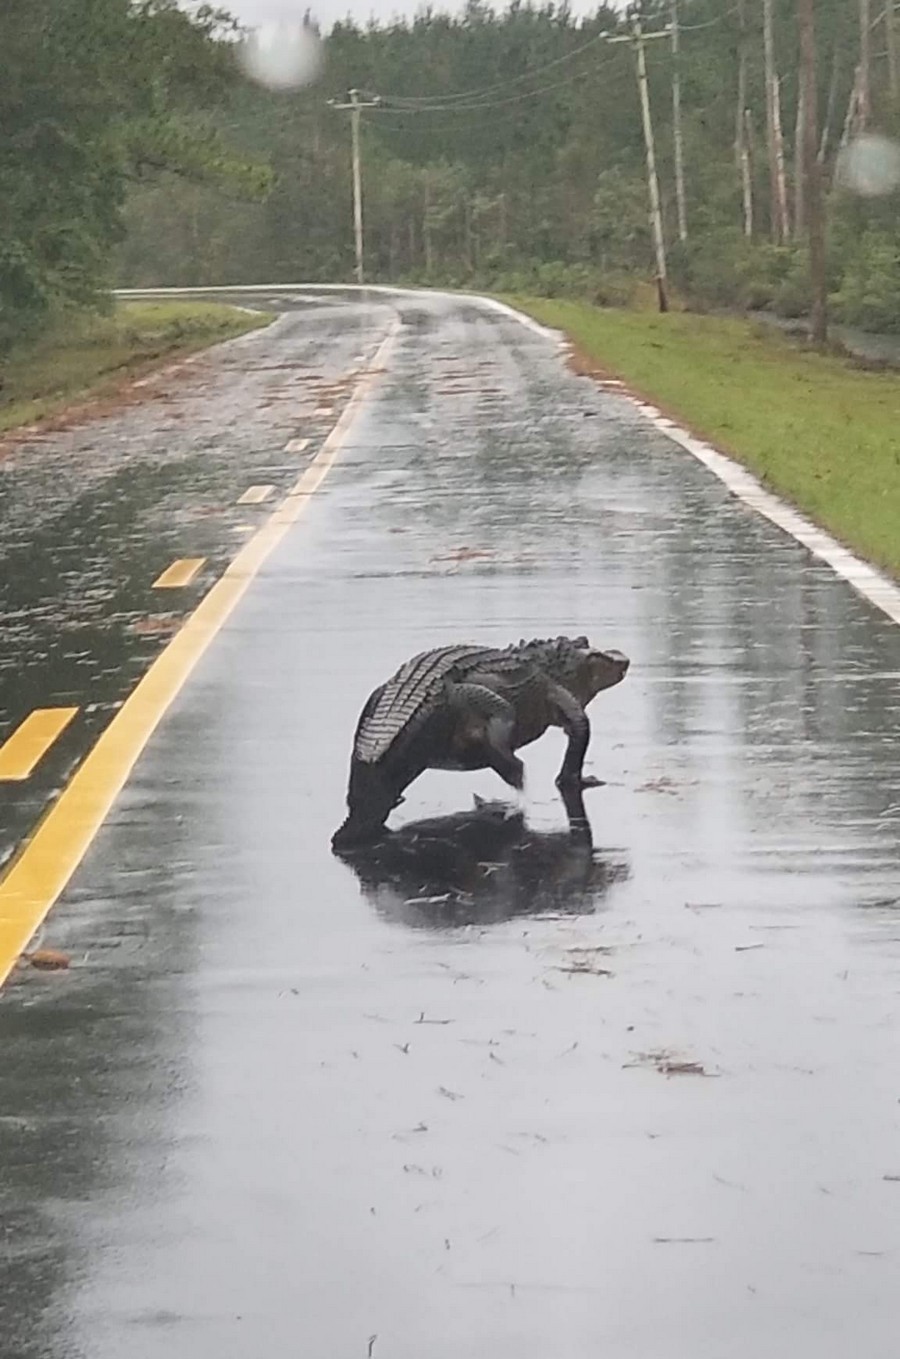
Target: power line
(385, 115)
(449, 102)
(503, 84)
(386, 104)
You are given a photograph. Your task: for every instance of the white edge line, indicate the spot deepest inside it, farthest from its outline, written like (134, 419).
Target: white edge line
(866, 579)
(872, 584)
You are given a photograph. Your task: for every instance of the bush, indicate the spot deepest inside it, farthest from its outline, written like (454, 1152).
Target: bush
(869, 294)
(724, 269)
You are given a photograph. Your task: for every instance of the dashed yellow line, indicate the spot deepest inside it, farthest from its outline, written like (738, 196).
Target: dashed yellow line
(179, 573)
(45, 864)
(255, 495)
(31, 740)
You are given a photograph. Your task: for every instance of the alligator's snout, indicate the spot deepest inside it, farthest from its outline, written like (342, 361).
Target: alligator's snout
(609, 668)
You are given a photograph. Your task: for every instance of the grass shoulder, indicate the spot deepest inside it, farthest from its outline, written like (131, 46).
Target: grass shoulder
(86, 355)
(816, 429)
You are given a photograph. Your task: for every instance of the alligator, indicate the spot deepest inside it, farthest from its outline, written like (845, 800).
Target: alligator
(472, 707)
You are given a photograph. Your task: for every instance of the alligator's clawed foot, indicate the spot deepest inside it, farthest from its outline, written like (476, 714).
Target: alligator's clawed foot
(578, 782)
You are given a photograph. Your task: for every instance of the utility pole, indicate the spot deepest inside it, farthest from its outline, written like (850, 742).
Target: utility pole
(355, 106)
(656, 223)
(676, 128)
(637, 38)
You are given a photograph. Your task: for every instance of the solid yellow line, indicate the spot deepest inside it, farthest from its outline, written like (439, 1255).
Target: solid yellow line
(179, 573)
(31, 740)
(48, 860)
(255, 495)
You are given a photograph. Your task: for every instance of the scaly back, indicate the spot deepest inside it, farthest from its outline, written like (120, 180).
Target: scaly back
(412, 693)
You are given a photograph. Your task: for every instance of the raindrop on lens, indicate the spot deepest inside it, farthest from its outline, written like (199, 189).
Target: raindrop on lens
(282, 55)
(869, 166)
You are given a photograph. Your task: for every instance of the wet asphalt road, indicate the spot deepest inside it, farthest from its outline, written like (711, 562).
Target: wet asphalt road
(636, 1097)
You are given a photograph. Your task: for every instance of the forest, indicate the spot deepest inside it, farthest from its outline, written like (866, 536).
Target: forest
(500, 150)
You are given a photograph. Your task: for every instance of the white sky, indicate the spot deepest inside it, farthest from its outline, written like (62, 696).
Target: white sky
(327, 11)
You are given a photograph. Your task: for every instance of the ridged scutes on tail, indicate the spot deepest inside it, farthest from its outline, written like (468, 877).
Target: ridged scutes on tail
(410, 693)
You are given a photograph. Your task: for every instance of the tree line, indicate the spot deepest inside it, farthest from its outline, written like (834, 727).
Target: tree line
(500, 149)
(97, 97)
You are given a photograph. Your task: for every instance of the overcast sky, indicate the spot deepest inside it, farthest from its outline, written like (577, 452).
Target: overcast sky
(327, 11)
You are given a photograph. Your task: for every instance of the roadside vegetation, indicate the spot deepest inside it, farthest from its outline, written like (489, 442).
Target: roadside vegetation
(502, 151)
(815, 428)
(506, 153)
(83, 354)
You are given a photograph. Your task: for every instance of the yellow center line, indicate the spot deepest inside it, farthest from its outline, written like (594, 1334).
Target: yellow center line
(31, 740)
(47, 861)
(181, 572)
(255, 495)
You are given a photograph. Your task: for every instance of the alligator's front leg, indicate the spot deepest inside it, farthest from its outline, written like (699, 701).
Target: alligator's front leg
(499, 721)
(571, 716)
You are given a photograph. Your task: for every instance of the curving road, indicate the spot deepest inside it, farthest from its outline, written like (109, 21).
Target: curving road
(501, 1089)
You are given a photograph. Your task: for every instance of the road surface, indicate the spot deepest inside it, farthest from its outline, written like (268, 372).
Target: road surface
(498, 1091)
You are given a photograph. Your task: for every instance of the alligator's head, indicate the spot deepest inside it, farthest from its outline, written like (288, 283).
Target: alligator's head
(584, 670)
(601, 670)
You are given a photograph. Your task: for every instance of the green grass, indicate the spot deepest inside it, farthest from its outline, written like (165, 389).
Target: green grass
(86, 355)
(818, 431)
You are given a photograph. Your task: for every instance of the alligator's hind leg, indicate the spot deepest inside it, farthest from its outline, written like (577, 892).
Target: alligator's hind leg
(491, 731)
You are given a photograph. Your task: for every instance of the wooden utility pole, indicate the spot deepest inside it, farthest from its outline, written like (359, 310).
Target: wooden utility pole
(676, 128)
(656, 222)
(815, 211)
(355, 106)
(638, 38)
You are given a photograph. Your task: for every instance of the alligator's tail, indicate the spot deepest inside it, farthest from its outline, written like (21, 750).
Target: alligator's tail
(370, 799)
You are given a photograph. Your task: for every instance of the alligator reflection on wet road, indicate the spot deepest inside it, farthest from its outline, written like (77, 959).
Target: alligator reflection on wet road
(500, 1086)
